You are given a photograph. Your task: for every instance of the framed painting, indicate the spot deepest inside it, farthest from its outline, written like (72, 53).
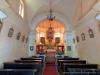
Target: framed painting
(18, 36)
(77, 39)
(42, 39)
(1, 24)
(91, 33)
(57, 40)
(31, 48)
(26, 39)
(23, 38)
(83, 36)
(68, 48)
(11, 31)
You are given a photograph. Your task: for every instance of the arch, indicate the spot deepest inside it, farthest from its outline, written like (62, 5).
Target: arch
(42, 16)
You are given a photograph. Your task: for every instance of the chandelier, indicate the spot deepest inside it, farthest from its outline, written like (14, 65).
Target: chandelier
(50, 17)
(50, 30)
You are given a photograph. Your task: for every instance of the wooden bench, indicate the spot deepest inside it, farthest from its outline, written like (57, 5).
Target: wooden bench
(82, 66)
(12, 65)
(80, 71)
(67, 59)
(60, 62)
(18, 72)
(29, 61)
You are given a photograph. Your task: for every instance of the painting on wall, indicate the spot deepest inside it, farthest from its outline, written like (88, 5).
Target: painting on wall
(23, 38)
(83, 36)
(91, 34)
(18, 36)
(77, 39)
(68, 48)
(73, 40)
(11, 31)
(42, 39)
(26, 39)
(57, 40)
(1, 24)
(31, 48)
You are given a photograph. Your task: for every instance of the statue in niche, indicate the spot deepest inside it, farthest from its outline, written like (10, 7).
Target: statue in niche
(91, 34)
(83, 36)
(1, 24)
(10, 33)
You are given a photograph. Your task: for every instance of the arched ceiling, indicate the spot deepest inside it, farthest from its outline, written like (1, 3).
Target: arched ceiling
(44, 25)
(65, 8)
(72, 10)
(68, 10)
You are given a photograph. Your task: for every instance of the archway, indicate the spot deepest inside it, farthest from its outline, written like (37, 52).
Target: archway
(50, 36)
(67, 32)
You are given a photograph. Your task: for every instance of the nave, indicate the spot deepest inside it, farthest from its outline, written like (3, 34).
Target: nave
(41, 65)
(49, 37)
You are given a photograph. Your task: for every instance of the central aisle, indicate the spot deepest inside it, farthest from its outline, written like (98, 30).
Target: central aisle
(50, 67)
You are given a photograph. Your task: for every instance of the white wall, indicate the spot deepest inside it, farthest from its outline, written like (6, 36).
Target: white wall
(11, 48)
(89, 49)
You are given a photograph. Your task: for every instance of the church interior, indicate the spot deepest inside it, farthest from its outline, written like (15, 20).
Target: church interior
(49, 37)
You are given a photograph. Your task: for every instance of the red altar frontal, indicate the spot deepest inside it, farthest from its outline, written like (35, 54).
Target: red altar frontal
(43, 48)
(40, 48)
(61, 48)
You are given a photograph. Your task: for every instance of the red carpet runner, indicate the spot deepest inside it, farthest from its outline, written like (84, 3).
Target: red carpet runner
(50, 69)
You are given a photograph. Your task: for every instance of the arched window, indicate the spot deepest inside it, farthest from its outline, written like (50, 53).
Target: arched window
(91, 34)
(21, 9)
(83, 36)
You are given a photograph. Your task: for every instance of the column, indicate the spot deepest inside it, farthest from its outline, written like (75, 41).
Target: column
(71, 45)
(32, 44)
(65, 43)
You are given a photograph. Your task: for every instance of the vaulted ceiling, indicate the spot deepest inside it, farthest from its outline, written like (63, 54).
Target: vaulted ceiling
(66, 8)
(71, 10)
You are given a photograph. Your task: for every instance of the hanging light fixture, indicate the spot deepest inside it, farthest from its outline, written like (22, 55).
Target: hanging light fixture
(50, 17)
(50, 31)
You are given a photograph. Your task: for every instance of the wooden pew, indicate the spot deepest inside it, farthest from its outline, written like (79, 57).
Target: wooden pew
(79, 71)
(12, 65)
(67, 59)
(82, 66)
(18, 72)
(60, 62)
(29, 61)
